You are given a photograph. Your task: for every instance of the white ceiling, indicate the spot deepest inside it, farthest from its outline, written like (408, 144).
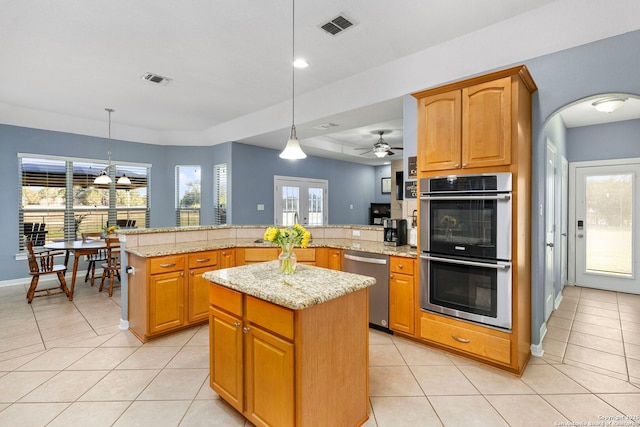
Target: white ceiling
(63, 62)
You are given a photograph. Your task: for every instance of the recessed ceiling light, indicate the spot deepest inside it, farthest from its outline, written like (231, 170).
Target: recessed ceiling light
(608, 105)
(300, 63)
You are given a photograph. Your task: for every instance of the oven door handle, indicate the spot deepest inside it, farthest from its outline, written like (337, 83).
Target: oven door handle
(500, 265)
(499, 197)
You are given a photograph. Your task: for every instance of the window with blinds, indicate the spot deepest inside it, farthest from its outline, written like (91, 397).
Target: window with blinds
(58, 199)
(220, 194)
(187, 195)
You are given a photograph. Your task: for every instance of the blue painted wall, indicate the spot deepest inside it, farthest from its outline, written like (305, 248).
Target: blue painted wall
(604, 142)
(251, 170)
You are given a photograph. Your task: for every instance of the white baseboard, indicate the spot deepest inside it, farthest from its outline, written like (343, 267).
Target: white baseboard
(558, 300)
(124, 325)
(536, 350)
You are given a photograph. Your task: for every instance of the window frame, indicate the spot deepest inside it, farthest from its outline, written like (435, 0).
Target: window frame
(67, 177)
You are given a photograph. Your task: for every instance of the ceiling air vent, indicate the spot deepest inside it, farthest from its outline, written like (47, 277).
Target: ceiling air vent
(156, 78)
(337, 25)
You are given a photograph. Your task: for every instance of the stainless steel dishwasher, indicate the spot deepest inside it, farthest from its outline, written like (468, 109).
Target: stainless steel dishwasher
(377, 266)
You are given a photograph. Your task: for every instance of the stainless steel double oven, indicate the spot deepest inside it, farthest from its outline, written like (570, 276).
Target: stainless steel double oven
(465, 244)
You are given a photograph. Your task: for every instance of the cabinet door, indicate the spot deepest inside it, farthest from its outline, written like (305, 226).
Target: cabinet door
(486, 124)
(166, 301)
(227, 258)
(270, 379)
(439, 127)
(198, 305)
(401, 314)
(226, 357)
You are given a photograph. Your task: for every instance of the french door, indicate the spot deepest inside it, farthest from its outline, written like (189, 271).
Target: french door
(605, 225)
(300, 200)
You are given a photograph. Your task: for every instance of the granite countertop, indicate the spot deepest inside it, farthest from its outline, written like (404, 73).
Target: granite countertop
(188, 247)
(307, 287)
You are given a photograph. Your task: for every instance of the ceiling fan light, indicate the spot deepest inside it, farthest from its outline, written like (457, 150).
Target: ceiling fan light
(380, 152)
(102, 179)
(124, 180)
(608, 105)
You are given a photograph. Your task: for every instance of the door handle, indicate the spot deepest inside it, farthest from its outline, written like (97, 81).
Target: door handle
(550, 245)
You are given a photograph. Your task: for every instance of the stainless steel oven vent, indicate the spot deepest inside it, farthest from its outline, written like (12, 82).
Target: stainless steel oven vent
(337, 25)
(156, 78)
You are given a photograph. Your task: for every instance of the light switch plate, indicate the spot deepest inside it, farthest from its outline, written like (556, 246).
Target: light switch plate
(260, 207)
(356, 233)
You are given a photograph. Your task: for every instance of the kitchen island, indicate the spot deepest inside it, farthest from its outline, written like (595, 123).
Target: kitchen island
(290, 350)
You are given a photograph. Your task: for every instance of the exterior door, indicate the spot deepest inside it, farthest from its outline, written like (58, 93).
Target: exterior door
(606, 218)
(549, 278)
(300, 200)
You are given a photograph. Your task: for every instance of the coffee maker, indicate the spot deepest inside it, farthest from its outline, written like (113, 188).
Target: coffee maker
(395, 232)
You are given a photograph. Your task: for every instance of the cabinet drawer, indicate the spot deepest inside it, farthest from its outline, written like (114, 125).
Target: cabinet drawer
(305, 254)
(203, 259)
(226, 299)
(401, 265)
(473, 342)
(260, 254)
(166, 264)
(270, 316)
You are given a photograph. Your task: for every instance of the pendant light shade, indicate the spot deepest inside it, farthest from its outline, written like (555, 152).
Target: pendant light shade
(123, 180)
(293, 151)
(104, 178)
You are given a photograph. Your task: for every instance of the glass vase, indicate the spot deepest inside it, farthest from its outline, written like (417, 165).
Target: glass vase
(288, 259)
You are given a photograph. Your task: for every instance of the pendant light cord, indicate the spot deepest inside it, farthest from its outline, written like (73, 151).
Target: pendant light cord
(293, 57)
(109, 110)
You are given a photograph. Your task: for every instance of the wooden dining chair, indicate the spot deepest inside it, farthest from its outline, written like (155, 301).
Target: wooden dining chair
(42, 264)
(111, 268)
(99, 256)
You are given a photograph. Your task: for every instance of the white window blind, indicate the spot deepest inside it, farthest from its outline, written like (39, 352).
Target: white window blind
(58, 200)
(187, 195)
(220, 194)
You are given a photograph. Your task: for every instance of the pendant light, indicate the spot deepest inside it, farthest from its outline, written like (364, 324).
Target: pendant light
(104, 178)
(292, 150)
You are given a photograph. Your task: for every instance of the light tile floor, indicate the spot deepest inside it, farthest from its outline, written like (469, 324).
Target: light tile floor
(67, 364)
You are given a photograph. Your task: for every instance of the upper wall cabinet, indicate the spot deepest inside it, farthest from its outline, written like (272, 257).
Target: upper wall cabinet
(471, 124)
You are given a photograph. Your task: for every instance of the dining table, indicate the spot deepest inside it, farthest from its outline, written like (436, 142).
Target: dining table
(79, 248)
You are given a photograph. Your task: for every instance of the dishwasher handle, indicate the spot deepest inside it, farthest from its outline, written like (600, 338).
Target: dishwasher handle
(365, 259)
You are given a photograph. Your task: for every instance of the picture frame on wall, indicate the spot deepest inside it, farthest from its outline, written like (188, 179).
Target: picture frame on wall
(386, 185)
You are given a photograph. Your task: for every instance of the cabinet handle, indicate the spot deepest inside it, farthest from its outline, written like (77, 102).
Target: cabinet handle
(400, 266)
(203, 260)
(182, 274)
(173, 264)
(245, 329)
(191, 273)
(464, 165)
(235, 325)
(463, 340)
(224, 253)
(457, 165)
(391, 276)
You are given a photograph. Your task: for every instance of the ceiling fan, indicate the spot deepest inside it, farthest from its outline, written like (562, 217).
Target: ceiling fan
(381, 148)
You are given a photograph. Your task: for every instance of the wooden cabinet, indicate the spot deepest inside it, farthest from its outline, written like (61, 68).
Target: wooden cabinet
(280, 367)
(483, 125)
(227, 258)
(401, 295)
(246, 256)
(472, 124)
(198, 287)
(168, 293)
(473, 340)
(329, 258)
